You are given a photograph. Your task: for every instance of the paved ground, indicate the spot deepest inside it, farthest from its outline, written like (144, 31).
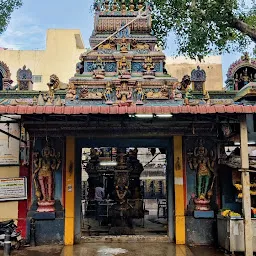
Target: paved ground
(120, 249)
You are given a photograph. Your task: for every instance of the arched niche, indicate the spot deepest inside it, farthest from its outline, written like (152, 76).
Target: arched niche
(241, 72)
(243, 76)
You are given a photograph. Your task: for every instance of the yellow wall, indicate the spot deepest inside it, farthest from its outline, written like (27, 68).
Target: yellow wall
(9, 210)
(212, 65)
(63, 48)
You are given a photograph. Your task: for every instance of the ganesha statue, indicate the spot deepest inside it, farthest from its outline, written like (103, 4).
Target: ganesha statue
(203, 162)
(46, 163)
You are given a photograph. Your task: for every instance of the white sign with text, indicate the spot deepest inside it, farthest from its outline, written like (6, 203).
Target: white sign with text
(13, 189)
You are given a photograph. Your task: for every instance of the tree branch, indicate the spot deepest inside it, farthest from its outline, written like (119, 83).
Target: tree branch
(244, 28)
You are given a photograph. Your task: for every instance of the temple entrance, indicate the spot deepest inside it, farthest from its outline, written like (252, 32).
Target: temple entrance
(124, 189)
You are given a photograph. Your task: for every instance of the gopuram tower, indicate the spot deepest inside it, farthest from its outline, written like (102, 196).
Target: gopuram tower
(124, 66)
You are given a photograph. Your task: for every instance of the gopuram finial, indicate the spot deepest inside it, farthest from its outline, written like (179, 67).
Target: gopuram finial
(114, 6)
(123, 6)
(131, 6)
(140, 5)
(106, 5)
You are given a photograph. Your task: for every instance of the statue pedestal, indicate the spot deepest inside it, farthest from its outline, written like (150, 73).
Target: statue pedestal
(46, 206)
(202, 204)
(139, 102)
(204, 214)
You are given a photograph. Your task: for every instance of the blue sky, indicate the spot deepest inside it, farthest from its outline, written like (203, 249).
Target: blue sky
(28, 26)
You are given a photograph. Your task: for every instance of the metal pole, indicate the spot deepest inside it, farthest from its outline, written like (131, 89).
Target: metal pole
(246, 188)
(32, 232)
(7, 242)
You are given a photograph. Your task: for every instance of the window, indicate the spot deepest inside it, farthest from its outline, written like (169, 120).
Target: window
(37, 79)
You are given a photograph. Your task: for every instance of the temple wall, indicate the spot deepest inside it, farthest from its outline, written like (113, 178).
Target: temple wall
(180, 66)
(9, 210)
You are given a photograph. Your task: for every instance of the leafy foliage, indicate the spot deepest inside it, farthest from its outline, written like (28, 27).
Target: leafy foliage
(6, 9)
(204, 26)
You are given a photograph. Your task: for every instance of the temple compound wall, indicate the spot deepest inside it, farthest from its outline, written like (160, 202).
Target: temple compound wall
(212, 65)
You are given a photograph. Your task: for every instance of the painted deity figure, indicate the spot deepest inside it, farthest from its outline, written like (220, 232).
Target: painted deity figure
(140, 93)
(46, 164)
(123, 93)
(149, 65)
(204, 165)
(188, 95)
(123, 46)
(108, 93)
(124, 68)
(71, 92)
(244, 77)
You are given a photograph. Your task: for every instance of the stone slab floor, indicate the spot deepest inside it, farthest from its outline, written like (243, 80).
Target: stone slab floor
(119, 249)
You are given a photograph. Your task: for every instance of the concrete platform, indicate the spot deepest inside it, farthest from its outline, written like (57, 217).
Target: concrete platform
(113, 249)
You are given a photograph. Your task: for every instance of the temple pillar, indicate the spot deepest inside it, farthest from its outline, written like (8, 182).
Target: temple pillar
(69, 234)
(179, 191)
(246, 188)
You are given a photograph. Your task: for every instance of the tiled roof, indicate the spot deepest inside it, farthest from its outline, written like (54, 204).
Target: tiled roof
(77, 110)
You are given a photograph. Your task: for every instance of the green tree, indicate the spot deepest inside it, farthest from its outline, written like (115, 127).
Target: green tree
(206, 26)
(6, 9)
(203, 27)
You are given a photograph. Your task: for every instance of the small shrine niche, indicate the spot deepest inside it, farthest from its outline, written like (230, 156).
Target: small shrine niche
(243, 76)
(24, 78)
(198, 78)
(241, 73)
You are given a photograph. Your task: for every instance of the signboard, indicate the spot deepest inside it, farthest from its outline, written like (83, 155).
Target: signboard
(9, 146)
(12, 189)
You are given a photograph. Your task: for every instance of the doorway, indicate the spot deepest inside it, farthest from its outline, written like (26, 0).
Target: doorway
(137, 200)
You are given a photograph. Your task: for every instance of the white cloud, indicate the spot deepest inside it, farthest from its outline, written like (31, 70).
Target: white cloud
(23, 34)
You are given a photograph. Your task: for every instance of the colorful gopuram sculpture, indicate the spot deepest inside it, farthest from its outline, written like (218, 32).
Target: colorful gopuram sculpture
(241, 72)
(125, 68)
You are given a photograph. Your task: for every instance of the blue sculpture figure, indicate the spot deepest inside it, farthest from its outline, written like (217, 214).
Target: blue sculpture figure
(125, 32)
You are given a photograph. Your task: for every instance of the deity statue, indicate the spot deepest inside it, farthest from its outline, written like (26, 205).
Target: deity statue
(236, 81)
(176, 91)
(203, 163)
(244, 78)
(123, 46)
(71, 92)
(149, 68)
(108, 94)
(140, 94)
(98, 69)
(46, 164)
(124, 68)
(124, 93)
(188, 95)
(125, 32)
